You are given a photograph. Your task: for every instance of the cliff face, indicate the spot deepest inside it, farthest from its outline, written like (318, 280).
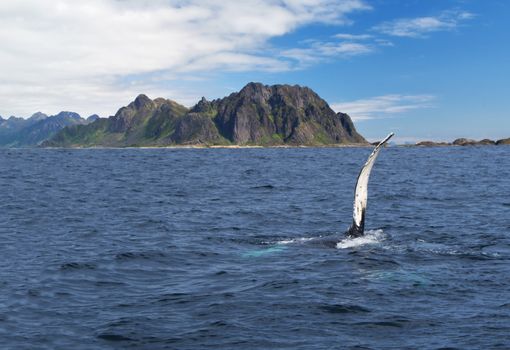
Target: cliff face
(281, 114)
(256, 115)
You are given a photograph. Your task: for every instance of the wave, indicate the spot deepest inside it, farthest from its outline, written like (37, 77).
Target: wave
(295, 240)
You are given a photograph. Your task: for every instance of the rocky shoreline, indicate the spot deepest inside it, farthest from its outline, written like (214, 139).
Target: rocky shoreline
(464, 142)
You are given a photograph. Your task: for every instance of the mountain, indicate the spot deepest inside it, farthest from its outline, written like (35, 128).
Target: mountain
(92, 118)
(256, 115)
(37, 117)
(9, 128)
(19, 132)
(142, 122)
(282, 114)
(47, 127)
(14, 123)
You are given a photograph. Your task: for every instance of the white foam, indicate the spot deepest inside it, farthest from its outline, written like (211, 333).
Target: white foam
(295, 240)
(370, 237)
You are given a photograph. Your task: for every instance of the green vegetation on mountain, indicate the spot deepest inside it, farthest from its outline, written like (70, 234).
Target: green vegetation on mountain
(257, 115)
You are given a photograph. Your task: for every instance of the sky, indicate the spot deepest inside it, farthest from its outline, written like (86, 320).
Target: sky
(425, 69)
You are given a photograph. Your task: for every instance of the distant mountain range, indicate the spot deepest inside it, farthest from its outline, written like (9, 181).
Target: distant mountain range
(19, 132)
(257, 115)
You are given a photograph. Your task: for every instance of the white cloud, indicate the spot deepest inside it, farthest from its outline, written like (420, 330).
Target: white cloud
(353, 37)
(383, 42)
(421, 26)
(319, 51)
(385, 106)
(79, 55)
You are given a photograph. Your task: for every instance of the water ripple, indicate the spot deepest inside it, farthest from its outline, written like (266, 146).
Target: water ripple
(192, 249)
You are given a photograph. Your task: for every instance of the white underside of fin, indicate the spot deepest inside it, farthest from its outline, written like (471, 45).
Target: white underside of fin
(361, 192)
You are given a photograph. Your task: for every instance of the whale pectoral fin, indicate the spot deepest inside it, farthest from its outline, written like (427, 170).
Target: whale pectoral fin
(361, 192)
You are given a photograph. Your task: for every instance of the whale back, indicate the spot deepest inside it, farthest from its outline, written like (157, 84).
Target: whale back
(357, 228)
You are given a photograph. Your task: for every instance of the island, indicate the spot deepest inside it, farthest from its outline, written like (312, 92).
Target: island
(257, 115)
(464, 142)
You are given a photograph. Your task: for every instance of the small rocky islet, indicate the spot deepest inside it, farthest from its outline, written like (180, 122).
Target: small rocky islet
(464, 142)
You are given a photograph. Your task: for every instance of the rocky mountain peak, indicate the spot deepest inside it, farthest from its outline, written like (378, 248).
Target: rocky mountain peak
(67, 114)
(255, 91)
(92, 118)
(203, 106)
(141, 101)
(38, 116)
(252, 87)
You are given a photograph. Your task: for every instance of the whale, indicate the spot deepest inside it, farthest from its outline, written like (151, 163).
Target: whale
(357, 228)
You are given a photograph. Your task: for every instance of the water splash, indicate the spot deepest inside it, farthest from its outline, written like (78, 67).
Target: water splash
(371, 237)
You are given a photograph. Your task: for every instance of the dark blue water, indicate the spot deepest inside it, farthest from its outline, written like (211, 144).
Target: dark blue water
(213, 249)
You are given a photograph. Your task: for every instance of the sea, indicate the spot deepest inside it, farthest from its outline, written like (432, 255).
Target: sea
(217, 249)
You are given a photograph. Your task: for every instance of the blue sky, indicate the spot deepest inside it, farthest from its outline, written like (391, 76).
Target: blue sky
(434, 69)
